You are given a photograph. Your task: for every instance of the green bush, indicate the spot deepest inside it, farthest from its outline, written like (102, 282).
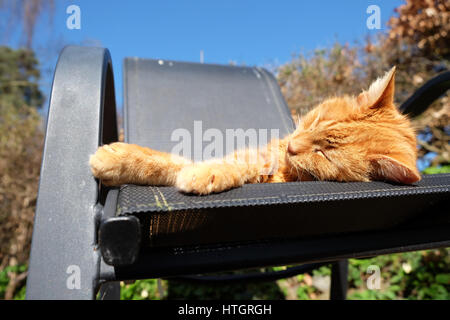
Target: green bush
(409, 275)
(437, 169)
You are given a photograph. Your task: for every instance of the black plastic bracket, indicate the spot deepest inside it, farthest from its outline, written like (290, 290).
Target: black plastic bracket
(119, 236)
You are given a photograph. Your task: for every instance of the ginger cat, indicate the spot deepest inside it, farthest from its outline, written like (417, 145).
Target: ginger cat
(346, 138)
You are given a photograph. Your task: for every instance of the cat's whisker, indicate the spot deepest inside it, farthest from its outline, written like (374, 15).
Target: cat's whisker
(296, 170)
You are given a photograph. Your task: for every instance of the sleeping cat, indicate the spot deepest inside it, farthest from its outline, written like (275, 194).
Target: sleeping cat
(346, 138)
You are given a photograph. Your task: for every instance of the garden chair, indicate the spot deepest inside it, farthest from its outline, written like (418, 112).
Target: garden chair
(88, 237)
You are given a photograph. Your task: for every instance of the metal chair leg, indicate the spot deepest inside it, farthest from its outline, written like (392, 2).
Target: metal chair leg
(110, 291)
(339, 271)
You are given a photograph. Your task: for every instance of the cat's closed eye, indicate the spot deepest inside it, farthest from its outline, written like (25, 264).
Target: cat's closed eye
(330, 142)
(321, 153)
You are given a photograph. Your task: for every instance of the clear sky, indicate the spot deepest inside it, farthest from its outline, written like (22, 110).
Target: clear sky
(264, 33)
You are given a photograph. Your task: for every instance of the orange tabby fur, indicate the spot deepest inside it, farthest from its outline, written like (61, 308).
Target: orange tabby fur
(346, 138)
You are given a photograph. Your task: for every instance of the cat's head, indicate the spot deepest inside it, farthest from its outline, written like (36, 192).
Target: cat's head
(359, 138)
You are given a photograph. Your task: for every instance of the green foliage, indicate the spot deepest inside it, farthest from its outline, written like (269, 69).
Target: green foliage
(304, 292)
(173, 290)
(322, 271)
(5, 280)
(21, 140)
(238, 291)
(19, 76)
(140, 290)
(411, 275)
(437, 169)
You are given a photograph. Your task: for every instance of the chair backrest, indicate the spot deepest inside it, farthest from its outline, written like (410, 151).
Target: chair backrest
(162, 96)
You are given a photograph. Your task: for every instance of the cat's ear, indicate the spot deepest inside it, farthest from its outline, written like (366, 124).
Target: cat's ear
(390, 169)
(380, 92)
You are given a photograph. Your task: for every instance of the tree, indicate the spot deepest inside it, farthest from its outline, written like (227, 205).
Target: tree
(26, 13)
(417, 43)
(21, 140)
(424, 24)
(21, 135)
(19, 76)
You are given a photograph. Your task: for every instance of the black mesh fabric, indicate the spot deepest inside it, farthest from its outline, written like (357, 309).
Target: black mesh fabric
(283, 210)
(163, 96)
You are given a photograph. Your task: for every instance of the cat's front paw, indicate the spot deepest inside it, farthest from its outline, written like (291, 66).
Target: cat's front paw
(108, 163)
(204, 179)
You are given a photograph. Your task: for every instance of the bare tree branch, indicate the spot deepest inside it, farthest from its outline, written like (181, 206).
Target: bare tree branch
(26, 14)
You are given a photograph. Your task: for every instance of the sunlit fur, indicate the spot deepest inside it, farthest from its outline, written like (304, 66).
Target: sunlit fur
(350, 138)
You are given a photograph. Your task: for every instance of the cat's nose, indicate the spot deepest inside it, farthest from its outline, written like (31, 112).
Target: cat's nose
(291, 149)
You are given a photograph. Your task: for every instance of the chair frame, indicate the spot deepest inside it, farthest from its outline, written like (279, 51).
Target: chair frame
(67, 260)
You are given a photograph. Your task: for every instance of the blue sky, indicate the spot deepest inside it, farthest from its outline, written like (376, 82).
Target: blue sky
(264, 33)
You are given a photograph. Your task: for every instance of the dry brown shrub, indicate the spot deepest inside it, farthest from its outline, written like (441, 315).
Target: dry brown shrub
(21, 142)
(343, 69)
(425, 23)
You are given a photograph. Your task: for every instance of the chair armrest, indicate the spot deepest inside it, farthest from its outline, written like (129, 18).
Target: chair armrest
(81, 115)
(426, 95)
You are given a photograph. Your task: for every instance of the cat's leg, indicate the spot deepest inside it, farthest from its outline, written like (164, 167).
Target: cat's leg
(120, 163)
(212, 176)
